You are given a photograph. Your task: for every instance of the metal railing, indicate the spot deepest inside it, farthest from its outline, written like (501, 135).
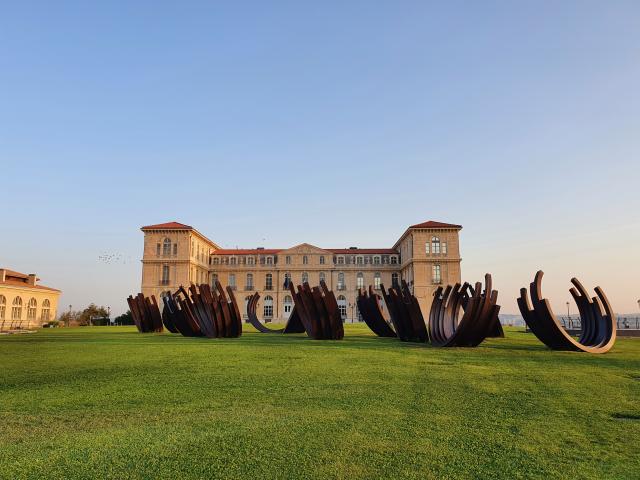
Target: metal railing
(575, 323)
(249, 288)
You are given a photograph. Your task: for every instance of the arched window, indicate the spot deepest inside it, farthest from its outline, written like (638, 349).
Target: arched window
(322, 277)
(342, 306)
(166, 247)
(249, 285)
(305, 260)
(16, 310)
(435, 245)
(3, 306)
(341, 285)
(288, 304)
(376, 281)
(305, 277)
(360, 280)
(268, 307)
(46, 311)
(32, 306)
(394, 280)
(268, 281)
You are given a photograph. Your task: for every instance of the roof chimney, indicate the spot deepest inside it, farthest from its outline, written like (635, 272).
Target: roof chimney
(32, 279)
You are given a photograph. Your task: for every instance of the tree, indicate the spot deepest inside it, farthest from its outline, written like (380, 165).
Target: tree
(69, 318)
(124, 319)
(92, 311)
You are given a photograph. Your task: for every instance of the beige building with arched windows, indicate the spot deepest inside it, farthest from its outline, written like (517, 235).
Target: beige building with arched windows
(426, 256)
(24, 303)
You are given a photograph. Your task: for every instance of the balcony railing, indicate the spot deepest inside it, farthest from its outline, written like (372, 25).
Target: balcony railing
(341, 287)
(268, 287)
(248, 288)
(233, 287)
(164, 282)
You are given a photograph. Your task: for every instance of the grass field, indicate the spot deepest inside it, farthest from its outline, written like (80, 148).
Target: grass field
(111, 403)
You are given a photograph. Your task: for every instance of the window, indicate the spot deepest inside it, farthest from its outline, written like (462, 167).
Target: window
(436, 274)
(444, 248)
(360, 280)
(341, 281)
(232, 280)
(288, 304)
(394, 280)
(376, 281)
(158, 249)
(214, 279)
(321, 259)
(305, 260)
(305, 277)
(340, 260)
(166, 247)
(394, 260)
(31, 309)
(251, 261)
(268, 282)
(352, 260)
(46, 309)
(216, 260)
(268, 307)
(233, 261)
(175, 248)
(359, 260)
(249, 284)
(287, 280)
(3, 306)
(287, 259)
(269, 260)
(342, 306)
(165, 275)
(435, 245)
(376, 260)
(322, 277)
(16, 310)
(426, 248)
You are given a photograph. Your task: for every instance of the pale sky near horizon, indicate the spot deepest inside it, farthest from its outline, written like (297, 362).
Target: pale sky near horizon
(333, 123)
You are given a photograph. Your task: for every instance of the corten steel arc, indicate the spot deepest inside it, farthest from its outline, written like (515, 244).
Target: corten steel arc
(318, 311)
(598, 326)
(369, 308)
(479, 320)
(145, 313)
(202, 312)
(293, 325)
(405, 313)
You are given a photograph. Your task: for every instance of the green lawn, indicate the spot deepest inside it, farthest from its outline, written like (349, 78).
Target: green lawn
(111, 403)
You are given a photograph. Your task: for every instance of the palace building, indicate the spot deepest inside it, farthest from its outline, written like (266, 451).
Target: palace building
(426, 256)
(23, 303)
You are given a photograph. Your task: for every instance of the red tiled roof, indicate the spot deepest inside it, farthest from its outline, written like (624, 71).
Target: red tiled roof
(12, 283)
(168, 226)
(356, 251)
(246, 251)
(432, 224)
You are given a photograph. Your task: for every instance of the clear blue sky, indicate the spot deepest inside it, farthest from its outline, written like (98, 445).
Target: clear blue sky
(335, 123)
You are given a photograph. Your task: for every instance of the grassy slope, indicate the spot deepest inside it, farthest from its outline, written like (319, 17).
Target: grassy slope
(108, 402)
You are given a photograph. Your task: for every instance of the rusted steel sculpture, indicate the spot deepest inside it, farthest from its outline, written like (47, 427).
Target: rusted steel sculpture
(405, 313)
(293, 325)
(318, 311)
(199, 312)
(145, 313)
(369, 308)
(479, 321)
(598, 327)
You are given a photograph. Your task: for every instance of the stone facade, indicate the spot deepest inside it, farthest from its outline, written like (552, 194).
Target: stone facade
(23, 303)
(426, 255)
